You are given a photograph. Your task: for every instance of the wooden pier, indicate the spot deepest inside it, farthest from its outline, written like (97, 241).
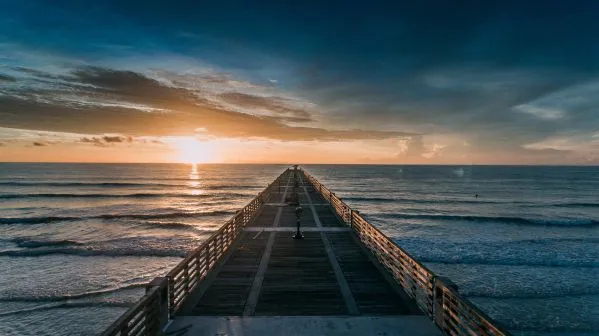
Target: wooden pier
(344, 277)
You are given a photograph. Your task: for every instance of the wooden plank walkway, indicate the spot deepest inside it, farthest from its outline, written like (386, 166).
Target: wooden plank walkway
(267, 273)
(345, 277)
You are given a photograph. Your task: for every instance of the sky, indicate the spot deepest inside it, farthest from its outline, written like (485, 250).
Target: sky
(403, 82)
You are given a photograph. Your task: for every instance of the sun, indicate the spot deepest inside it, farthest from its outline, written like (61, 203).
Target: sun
(191, 150)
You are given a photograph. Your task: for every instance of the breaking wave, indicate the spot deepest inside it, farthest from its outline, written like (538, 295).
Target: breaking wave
(125, 185)
(31, 243)
(484, 260)
(420, 201)
(501, 219)
(490, 293)
(134, 195)
(87, 184)
(51, 219)
(86, 251)
(473, 201)
(59, 298)
(147, 246)
(84, 304)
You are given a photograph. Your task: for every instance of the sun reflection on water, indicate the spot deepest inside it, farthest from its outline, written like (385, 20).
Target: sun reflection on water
(194, 180)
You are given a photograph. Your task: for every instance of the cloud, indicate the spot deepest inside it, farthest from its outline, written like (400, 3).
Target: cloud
(540, 112)
(277, 105)
(32, 72)
(40, 144)
(573, 148)
(117, 138)
(95, 141)
(179, 111)
(411, 146)
(415, 146)
(7, 78)
(107, 140)
(563, 144)
(433, 150)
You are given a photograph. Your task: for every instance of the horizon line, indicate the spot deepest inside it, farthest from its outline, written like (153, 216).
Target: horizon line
(299, 164)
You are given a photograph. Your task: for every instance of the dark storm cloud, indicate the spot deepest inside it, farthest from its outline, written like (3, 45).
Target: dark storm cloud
(178, 111)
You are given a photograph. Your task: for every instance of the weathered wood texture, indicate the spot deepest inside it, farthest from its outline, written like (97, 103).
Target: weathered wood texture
(229, 291)
(145, 317)
(436, 296)
(373, 294)
(299, 278)
(357, 272)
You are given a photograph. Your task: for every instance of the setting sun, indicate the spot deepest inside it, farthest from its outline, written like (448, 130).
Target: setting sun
(190, 150)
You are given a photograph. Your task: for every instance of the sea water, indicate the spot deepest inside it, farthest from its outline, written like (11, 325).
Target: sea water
(79, 241)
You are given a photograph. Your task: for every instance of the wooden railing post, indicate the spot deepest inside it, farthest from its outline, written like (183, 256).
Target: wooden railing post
(161, 314)
(439, 312)
(438, 297)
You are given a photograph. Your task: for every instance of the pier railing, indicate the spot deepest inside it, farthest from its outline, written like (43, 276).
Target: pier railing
(436, 296)
(164, 296)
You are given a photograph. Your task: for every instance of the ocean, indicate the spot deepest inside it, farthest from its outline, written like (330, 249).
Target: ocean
(79, 241)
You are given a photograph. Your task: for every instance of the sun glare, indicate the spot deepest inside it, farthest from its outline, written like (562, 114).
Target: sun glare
(190, 150)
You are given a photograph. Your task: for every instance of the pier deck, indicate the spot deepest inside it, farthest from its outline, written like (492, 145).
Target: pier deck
(345, 277)
(326, 274)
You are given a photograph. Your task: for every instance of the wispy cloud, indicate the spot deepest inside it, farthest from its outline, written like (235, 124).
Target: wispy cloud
(580, 148)
(7, 78)
(107, 140)
(540, 112)
(22, 107)
(368, 73)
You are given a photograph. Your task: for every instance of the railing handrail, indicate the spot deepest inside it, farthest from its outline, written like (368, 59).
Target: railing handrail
(209, 240)
(471, 322)
(142, 320)
(132, 311)
(452, 313)
(358, 214)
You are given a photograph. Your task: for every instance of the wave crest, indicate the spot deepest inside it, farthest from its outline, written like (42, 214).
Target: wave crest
(88, 251)
(503, 219)
(134, 195)
(31, 243)
(51, 219)
(59, 298)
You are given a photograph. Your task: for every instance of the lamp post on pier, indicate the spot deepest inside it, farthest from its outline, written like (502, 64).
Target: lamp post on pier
(298, 215)
(298, 208)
